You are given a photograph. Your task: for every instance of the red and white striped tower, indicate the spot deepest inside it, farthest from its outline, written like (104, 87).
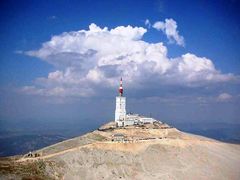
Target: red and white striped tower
(120, 90)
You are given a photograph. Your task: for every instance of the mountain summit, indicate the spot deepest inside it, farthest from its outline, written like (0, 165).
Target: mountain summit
(149, 151)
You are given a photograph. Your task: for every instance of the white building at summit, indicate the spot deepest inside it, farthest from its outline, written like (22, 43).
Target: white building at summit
(124, 119)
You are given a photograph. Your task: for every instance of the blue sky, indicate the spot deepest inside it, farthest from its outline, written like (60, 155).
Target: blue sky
(210, 30)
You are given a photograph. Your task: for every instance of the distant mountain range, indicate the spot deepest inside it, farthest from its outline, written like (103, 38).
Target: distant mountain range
(225, 132)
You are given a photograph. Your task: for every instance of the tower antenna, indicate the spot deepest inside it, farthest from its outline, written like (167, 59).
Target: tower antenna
(120, 90)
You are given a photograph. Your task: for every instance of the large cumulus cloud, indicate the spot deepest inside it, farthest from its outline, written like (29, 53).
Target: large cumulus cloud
(87, 60)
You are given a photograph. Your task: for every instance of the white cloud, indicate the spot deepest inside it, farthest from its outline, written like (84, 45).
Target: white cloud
(224, 97)
(88, 60)
(147, 23)
(169, 27)
(129, 32)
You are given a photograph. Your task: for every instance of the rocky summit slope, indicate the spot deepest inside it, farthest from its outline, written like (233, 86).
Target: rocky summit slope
(152, 151)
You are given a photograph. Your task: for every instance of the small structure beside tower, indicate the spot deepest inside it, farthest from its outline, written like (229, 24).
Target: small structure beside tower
(123, 119)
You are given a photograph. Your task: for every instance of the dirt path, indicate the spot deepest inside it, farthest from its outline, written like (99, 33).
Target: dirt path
(51, 155)
(127, 146)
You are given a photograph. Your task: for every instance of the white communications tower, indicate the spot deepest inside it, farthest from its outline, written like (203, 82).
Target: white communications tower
(120, 112)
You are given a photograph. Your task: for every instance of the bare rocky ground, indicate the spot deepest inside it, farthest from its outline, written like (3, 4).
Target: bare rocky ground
(147, 152)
